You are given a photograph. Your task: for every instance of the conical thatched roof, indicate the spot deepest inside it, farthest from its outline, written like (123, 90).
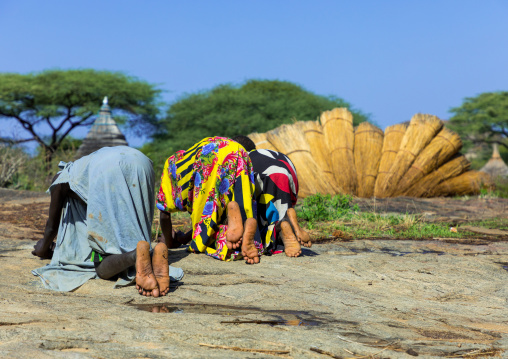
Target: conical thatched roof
(104, 133)
(496, 166)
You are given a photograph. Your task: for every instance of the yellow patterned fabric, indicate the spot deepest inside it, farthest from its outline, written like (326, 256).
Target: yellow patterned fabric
(202, 181)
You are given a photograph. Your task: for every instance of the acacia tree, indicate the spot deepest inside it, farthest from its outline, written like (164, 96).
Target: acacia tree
(59, 101)
(228, 110)
(482, 119)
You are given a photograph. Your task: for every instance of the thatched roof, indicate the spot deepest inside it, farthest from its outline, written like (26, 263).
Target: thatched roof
(104, 133)
(496, 166)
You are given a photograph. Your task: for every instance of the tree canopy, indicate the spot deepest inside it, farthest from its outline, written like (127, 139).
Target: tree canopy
(229, 110)
(482, 121)
(63, 100)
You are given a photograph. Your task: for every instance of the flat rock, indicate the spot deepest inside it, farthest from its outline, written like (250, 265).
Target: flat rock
(427, 297)
(379, 298)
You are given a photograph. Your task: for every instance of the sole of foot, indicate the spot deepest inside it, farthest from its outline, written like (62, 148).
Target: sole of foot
(249, 250)
(161, 267)
(301, 235)
(292, 247)
(146, 283)
(235, 226)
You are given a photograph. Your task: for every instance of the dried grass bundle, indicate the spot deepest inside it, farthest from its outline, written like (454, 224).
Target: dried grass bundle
(339, 137)
(261, 141)
(426, 187)
(367, 153)
(289, 140)
(313, 133)
(438, 151)
(420, 132)
(391, 144)
(468, 183)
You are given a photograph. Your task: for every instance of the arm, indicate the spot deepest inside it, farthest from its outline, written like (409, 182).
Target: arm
(172, 239)
(43, 248)
(167, 228)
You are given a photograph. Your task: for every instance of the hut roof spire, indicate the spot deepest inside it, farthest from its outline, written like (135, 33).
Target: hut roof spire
(496, 166)
(104, 133)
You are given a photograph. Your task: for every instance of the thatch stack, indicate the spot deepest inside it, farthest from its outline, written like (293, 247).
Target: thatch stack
(261, 141)
(470, 182)
(313, 133)
(439, 150)
(426, 187)
(391, 144)
(291, 141)
(339, 137)
(419, 133)
(367, 153)
(419, 160)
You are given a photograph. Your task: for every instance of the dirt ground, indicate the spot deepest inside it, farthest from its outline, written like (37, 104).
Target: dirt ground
(357, 299)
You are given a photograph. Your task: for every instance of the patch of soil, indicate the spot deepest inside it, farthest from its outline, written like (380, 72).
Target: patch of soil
(438, 209)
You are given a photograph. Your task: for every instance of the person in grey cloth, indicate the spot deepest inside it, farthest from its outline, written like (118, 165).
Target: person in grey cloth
(101, 214)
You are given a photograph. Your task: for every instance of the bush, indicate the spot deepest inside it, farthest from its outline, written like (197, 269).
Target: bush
(34, 174)
(11, 160)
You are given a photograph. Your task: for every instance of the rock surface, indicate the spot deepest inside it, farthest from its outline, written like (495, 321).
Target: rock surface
(387, 299)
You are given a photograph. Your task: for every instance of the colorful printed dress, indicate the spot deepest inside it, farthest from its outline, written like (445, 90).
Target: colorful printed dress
(276, 192)
(202, 181)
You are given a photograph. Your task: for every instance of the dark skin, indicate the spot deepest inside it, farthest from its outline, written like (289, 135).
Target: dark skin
(44, 247)
(110, 265)
(172, 239)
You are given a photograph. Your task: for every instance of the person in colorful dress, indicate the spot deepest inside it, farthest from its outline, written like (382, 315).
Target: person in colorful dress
(214, 182)
(276, 196)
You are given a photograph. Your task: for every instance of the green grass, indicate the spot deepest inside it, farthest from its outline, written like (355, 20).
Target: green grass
(496, 223)
(337, 216)
(320, 207)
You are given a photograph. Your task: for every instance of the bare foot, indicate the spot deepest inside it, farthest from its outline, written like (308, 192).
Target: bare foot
(249, 250)
(291, 246)
(235, 227)
(302, 236)
(161, 268)
(145, 279)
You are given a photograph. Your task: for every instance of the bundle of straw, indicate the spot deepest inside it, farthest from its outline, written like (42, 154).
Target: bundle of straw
(426, 187)
(468, 183)
(313, 133)
(391, 144)
(339, 137)
(439, 150)
(261, 141)
(290, 141)
(368, 145)
(420, 132)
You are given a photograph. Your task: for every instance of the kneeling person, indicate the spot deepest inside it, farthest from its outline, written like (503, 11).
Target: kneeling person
(101, 208)
(276, 196)
(213, 181)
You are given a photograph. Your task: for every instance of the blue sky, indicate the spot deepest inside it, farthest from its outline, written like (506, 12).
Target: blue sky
(391, 59)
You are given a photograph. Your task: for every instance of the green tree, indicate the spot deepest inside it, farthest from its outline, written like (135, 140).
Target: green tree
(228, 110)
(482, 121)
(59, 101)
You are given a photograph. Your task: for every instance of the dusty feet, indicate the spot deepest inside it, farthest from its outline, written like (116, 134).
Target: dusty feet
(161, 268)
(302, 236)
(235, 227)
(146, 283)
(249, 250)
(292, 247)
